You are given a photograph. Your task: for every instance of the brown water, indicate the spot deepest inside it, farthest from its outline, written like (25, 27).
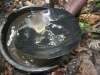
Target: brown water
(24, 59)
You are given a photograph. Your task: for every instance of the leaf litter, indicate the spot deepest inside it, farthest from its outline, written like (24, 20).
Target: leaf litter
(81, 61)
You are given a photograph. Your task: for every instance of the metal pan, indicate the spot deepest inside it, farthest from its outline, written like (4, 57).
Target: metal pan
(59, 17)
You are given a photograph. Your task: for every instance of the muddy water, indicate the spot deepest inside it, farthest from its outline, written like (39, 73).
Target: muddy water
(18, 56)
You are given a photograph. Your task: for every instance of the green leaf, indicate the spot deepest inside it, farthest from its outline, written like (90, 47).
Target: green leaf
(98, 5)
(84, 25)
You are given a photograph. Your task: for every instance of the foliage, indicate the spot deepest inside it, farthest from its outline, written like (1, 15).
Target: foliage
(83, 26)
(98, 3)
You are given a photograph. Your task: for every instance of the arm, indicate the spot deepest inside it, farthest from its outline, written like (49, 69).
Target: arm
(74, 6)
(52, 3)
